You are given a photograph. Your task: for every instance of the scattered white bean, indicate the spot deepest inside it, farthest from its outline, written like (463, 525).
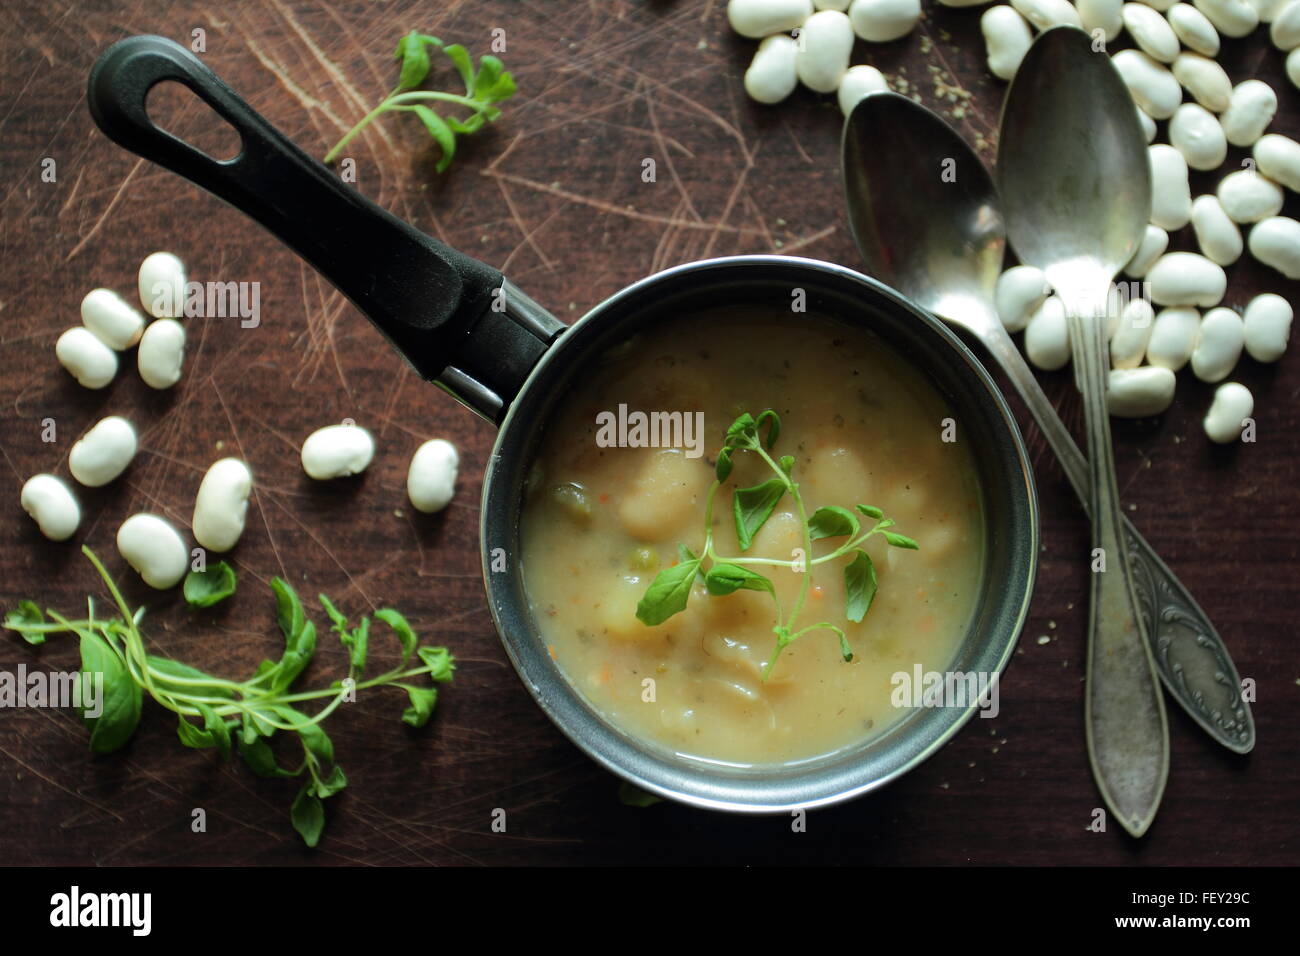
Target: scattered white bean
(1020, 292)
(840, 5)
(1161, 5)
(963, 3)
(162, 285)
(162, 353)
(1154, 243)
(1249, 112)
(771, 76)
(1139, 392)
(1047, 336)
(221, 505)
(431, 480)
(1154, 88)
(1268, 9)
(1276, 243)
(1171, 192)
(879, 21)
(1173, 337)
(1147, 123)
(52, 506)
(1249, 197)
(1007, 38)
(1104, 15)
(336, 451)
(825, 42)
(111, 318)
(760, 18)
(1217, 235)
(154, 548)
(104, 452)
(857, 84)
(1293, 67)
(1045, 14)
(1232, 18)
(1268, 326)
(1285, 29)
(1232, 405)
(1194, 29)
(1184, 278)
(1195, 132)
(1205, 80)
(1129, 343)
(1218, 345)
(1151, 32)
(90, 361)
(1278, 158)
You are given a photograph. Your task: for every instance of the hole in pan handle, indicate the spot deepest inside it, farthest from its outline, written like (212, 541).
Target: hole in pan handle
(433, 303)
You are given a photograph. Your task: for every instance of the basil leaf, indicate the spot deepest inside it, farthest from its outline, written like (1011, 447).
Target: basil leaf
(832, 521)
(859, 586)
(668, 593)
(753, 506)
(214, 732)
(314, 739)
(742, 433)
(260, 758)
(206, 588)
(440, 662)
(901, 541)
(415, 61)
(723, 468)
(464, 66)
(297, 655)
(774, 430)
(26, 613)
(787, 463)
(288, 610)
(332, 784)
(423, 700)
(339, 622)
(441, 134)
(308, 815)
(871, 511)
(357, 642)
(171, 668)
(120, 698)
(728, 578)
(401, 628)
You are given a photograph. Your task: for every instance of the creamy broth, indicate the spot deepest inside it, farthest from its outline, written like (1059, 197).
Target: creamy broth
(600, 522)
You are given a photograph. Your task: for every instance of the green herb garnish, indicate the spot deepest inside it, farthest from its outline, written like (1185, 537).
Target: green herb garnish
(207, 587)
(751, 507)
(484, 87)
(241, 715)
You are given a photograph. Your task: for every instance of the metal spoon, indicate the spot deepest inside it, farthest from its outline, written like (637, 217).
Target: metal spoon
(939, 240)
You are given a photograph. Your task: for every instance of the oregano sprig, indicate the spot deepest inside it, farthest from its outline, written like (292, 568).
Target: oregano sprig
(670, 591)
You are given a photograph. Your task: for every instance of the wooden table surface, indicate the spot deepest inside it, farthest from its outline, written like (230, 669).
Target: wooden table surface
(552, 195)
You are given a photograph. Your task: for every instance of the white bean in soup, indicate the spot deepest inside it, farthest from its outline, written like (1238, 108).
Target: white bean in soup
(600, 521)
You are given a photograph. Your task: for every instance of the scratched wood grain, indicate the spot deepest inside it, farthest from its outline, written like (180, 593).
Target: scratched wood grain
(553, 195)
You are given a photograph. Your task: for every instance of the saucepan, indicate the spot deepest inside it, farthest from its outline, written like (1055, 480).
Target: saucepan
(469, 330)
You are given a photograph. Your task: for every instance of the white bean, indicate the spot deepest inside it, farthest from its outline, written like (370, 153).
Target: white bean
(104, 452)
(1154, 88)
(52, 506)
(859, 83)
(1218, 345)
(1161, 5)
(111, 318)
(1019, 293)
(1268, 9)
(1129, 343)
(840, 5)
(90, 361)
(431, 480)
(1151, 32)
(1232, 18)
(1045, 14)
(336, 451)
(1154, 243)
(1139, 392)
(1232, 406)
(161, 355)
(162, 285)
(1195, 132)
(771, 76)
(1007, 38)
(1171, 192)
(1249, 197)
(1173, 337)
(1285, 29)
(1249, 112)
(221, 506)
(1047, 336)
(1217, 235)
(1278, 158)
(879, 21)
(1276, 242)
(1104, 15)
(1205, 80)
(154, 548)
(1268, 326)
(1293, 67)
(963, 3)
(759, 18)
(1194, 29)
(1147, 123)
(825, 42)
(1184, 278)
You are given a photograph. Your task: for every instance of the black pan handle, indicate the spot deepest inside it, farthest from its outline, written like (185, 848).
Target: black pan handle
(457, 320)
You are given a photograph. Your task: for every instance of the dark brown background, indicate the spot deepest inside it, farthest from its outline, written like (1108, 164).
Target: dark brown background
(553, 196)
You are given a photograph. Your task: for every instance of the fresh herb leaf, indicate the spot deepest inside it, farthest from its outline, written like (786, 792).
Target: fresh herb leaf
(871, 511)
(308, 815)
(423, 700)
(901, 541)
(859, 586)
(27, 615)
(723, 468)
(668, 593)
(753, 506)
(773, 430)
(440, 663)
(832, 521)
(206, 588)
(728, 578)
(401, 629)
(119, 696)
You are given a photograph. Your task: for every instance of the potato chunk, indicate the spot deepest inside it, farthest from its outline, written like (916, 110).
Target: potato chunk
(666, 497)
